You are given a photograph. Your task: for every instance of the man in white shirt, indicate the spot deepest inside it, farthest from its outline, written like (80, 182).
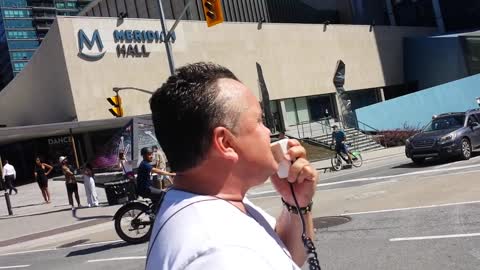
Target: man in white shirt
(9, 175)
(210, 126)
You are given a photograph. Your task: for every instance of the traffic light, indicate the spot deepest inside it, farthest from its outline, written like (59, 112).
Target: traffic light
(213, 12)
(116, 102)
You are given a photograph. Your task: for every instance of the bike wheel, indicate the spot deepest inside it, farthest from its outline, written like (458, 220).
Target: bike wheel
(336, 163)
(133, 223)
(357, 160)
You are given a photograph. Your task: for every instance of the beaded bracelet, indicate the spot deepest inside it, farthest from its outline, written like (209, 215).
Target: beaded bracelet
(294, 210)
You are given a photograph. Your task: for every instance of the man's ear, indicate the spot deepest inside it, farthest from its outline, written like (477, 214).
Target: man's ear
(223, 144)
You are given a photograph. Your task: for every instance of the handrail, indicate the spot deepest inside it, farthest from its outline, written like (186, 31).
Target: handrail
(368, 126)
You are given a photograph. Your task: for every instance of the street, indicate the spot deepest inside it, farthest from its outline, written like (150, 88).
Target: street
(387, 214)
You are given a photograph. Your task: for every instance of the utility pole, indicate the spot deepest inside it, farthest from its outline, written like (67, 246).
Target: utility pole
(213, 15)
(168, 45)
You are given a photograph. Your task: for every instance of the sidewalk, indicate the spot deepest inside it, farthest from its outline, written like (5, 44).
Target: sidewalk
(379, 154)
(34, 219)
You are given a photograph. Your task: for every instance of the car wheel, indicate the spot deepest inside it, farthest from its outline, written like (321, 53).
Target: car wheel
(418, 160)
(466, 149)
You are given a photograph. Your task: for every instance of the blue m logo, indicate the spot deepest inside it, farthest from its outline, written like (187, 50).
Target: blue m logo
(84, 41)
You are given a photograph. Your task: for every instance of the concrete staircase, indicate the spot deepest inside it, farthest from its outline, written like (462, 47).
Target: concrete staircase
(321, 134)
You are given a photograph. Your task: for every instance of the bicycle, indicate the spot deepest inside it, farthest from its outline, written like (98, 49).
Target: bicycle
(134, 221)
(338, 159)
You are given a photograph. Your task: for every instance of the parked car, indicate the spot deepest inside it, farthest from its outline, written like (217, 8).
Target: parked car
(448, 134)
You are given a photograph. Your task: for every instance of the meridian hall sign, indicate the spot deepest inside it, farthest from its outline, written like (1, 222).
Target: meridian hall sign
(128, 43)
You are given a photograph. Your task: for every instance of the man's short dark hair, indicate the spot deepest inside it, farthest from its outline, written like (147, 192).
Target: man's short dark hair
(186, 109)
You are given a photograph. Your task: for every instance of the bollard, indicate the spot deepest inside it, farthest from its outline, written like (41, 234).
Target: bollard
(9, 205)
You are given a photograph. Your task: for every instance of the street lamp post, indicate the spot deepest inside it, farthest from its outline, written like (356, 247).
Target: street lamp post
(168, 45)
(168, 34)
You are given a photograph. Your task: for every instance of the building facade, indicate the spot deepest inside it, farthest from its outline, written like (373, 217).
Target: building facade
(277, 11)
(23, 26)
(298, 61)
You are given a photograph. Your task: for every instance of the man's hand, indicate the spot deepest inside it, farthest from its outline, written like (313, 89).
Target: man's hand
(301, 174)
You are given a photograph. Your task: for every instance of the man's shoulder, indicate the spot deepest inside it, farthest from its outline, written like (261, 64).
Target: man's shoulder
(145, 165)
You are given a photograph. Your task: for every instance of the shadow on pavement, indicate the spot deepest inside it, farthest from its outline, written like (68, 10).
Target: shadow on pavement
(96, 249)
(74, 214)
(35, 214)
(426, 164)
(27, 205)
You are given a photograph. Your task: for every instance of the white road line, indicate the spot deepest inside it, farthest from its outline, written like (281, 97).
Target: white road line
(448, 164)
(118, 259)
(28, 251)
(452, 163)
(376, 178)
(410, 208)
(15, 266)
(397, 175)
(434, 237)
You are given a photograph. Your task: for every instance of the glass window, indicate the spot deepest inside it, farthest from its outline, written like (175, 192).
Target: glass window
(18, 66)
(21, 55)
(302, 109)
(472, 119)
(472, 52)
(291, 111)
(446, 122)
(21, 34)
(17, 13)
(23, 44)
(60, 5)
(18, 23)
(14, 3)
(71, 5)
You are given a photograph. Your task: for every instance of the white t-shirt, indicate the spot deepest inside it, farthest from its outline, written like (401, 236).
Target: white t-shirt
(210, 233)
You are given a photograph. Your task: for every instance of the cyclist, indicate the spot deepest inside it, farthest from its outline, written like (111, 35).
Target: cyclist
(339, 138)
(144, 182)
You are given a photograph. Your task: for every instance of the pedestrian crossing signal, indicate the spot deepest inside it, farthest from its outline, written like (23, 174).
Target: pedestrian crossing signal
(213, 12)
(116, 102)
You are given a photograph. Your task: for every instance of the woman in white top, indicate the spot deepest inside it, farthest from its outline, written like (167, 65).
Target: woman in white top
(89, 184)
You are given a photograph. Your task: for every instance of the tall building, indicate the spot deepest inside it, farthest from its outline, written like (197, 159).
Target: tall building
(23, 26)
(277, 11)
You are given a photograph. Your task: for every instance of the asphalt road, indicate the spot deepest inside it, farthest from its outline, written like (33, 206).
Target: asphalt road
(381, 169)
(102, 256)
(445, 237)
(403, 216)
(442, 237)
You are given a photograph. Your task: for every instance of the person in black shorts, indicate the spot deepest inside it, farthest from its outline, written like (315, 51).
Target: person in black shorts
(41, 171)
(70, 182)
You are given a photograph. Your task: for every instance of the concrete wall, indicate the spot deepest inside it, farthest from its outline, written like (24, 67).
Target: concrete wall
(41, 93)
(417, 109)
(434, 60)
(297, 59)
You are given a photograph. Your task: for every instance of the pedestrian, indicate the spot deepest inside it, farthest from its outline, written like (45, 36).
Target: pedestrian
(126, 166)
(159, 159)
(41, 171)
(9, 175)
(89, 184)
(145, 185)
(220, 149)
(70, 182)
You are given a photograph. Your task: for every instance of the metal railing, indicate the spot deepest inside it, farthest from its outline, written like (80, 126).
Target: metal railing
(304, 129)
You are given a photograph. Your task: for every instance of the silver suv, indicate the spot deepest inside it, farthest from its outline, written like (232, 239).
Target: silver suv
(448, 134)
